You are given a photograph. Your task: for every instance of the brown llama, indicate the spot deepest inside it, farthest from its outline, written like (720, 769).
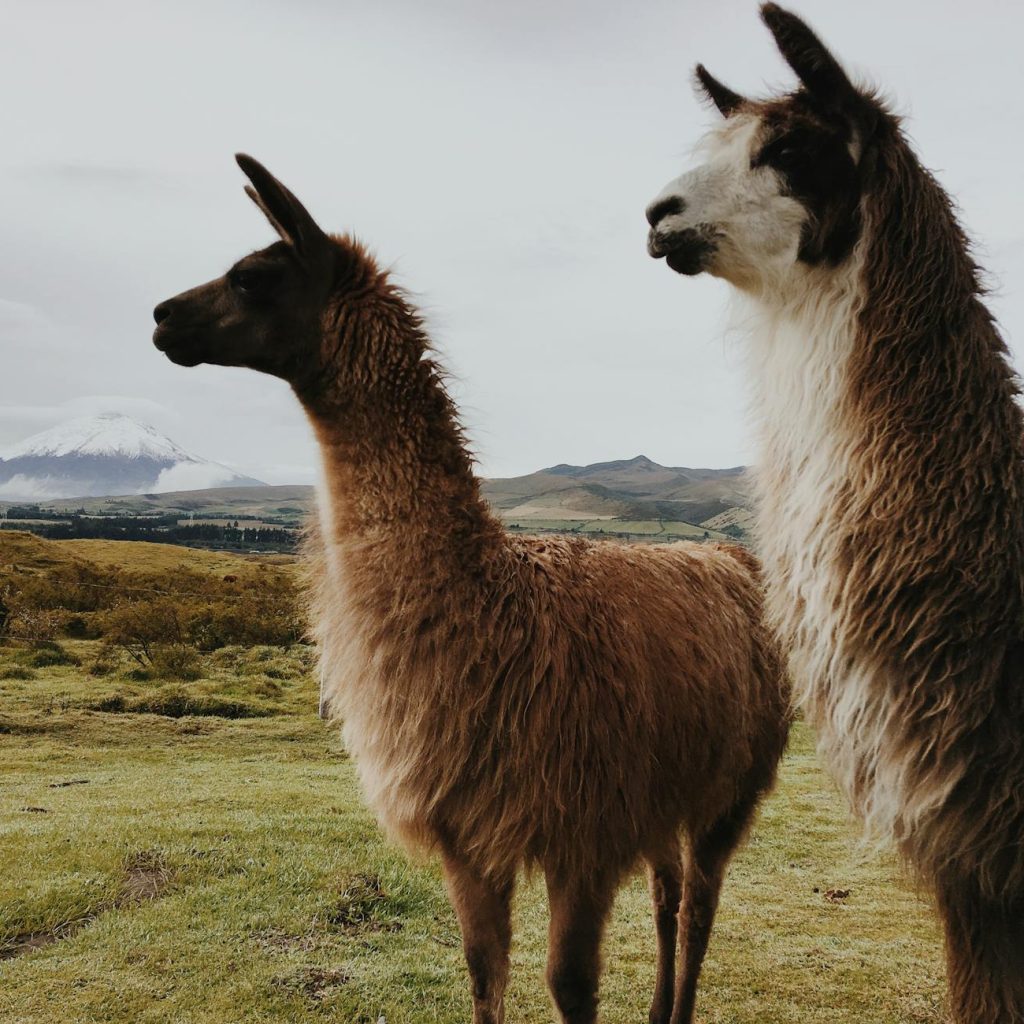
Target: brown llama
(510, 701)
(890, 481)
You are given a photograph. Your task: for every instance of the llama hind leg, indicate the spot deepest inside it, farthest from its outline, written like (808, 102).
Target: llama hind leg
(483, 908)
(984, 956)
(665, 879)
(579, 909)
(704, 867)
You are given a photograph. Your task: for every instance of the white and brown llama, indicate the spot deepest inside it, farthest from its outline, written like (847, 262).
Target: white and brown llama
(890, 480)
(510, 701)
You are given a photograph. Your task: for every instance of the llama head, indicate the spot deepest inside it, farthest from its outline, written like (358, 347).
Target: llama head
(780, 181)
(265, 312)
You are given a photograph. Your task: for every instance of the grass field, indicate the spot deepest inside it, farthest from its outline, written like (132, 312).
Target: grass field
(652, 529)
(27, 551)
(223, 869)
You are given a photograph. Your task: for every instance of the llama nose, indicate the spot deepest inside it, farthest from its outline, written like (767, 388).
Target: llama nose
(162, 312)
(663, 208)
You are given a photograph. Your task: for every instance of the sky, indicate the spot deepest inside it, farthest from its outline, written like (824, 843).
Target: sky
(498, 155)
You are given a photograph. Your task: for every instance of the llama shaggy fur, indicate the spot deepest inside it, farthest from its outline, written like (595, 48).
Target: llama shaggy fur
(891, 486)
(549, 703)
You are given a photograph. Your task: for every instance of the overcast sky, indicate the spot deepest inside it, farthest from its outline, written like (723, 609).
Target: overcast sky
(499, 155)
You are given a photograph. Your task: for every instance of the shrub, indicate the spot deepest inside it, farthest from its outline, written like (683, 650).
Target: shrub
(36, 625)
(17, 672)
(52, 654)
(178, 702)
(175, 661)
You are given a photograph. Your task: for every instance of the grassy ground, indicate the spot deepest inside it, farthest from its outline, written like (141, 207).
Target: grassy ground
(213, 869)
(22, 550)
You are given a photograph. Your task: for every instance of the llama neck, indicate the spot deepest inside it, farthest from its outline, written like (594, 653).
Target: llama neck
(928, 359)
(890, 476)
(398, 481)
(894, 350)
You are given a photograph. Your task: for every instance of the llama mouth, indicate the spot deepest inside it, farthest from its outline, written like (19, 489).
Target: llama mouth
(180, 350)
(687, 252)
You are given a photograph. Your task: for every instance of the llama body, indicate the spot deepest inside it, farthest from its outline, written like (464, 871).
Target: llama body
(575, 707)
(488, 748)
(891, 484)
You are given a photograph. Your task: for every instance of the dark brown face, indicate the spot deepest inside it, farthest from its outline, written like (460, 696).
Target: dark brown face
(264, 313)
(261, 314)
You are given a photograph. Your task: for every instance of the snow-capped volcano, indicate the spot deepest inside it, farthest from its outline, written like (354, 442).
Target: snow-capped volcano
(106, 454)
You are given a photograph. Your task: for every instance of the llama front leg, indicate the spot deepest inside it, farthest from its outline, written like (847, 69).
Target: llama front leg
(579, 908)
(704, 867)
(483, 907)
(665, 882)
(984, 955)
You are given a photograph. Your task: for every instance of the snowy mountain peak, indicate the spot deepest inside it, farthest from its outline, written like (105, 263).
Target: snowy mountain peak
(109, 433)
(106, 454)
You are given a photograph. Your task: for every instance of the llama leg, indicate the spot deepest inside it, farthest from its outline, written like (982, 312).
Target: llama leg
(984, 956)
(483, 910)
(704, 869)
(579, 909)
(665, 880)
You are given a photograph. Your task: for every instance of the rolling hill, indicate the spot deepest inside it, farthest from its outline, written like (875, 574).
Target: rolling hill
(635, 497)
(631, 489)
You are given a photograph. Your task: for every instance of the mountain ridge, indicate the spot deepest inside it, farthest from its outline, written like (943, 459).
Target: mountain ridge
(627, 489)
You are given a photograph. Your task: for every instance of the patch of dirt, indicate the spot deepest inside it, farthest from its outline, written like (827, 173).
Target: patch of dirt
(837, 895)
(284, 942)
(314, 983)
(363, 905)
(146, 876)
(27, 942)
(69, 782)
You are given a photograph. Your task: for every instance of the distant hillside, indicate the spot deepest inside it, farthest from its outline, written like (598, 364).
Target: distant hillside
(629, 489)
(288, 501)
(635, 498)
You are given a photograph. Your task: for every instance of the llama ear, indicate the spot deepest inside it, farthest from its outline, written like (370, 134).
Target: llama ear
(721, 95)
(288, 217)
(808, 56)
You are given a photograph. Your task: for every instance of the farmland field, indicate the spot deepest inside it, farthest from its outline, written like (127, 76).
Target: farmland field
(651, 529)
(213, 869)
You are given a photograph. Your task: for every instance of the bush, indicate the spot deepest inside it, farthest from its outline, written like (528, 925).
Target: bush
(17, 672)
(144, 614)
(178, 702)
(81, 627)
(52, 654)
(36, 625)
(175, 661)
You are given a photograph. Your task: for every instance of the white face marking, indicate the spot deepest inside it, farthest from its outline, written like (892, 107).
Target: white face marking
(756, 228)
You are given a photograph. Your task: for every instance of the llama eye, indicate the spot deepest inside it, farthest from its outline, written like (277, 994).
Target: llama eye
(245, 281)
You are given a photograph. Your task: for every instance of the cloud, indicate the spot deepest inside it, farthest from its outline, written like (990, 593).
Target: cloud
(42, 415)
(25, 488)
(74, 173)
(192, 476)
